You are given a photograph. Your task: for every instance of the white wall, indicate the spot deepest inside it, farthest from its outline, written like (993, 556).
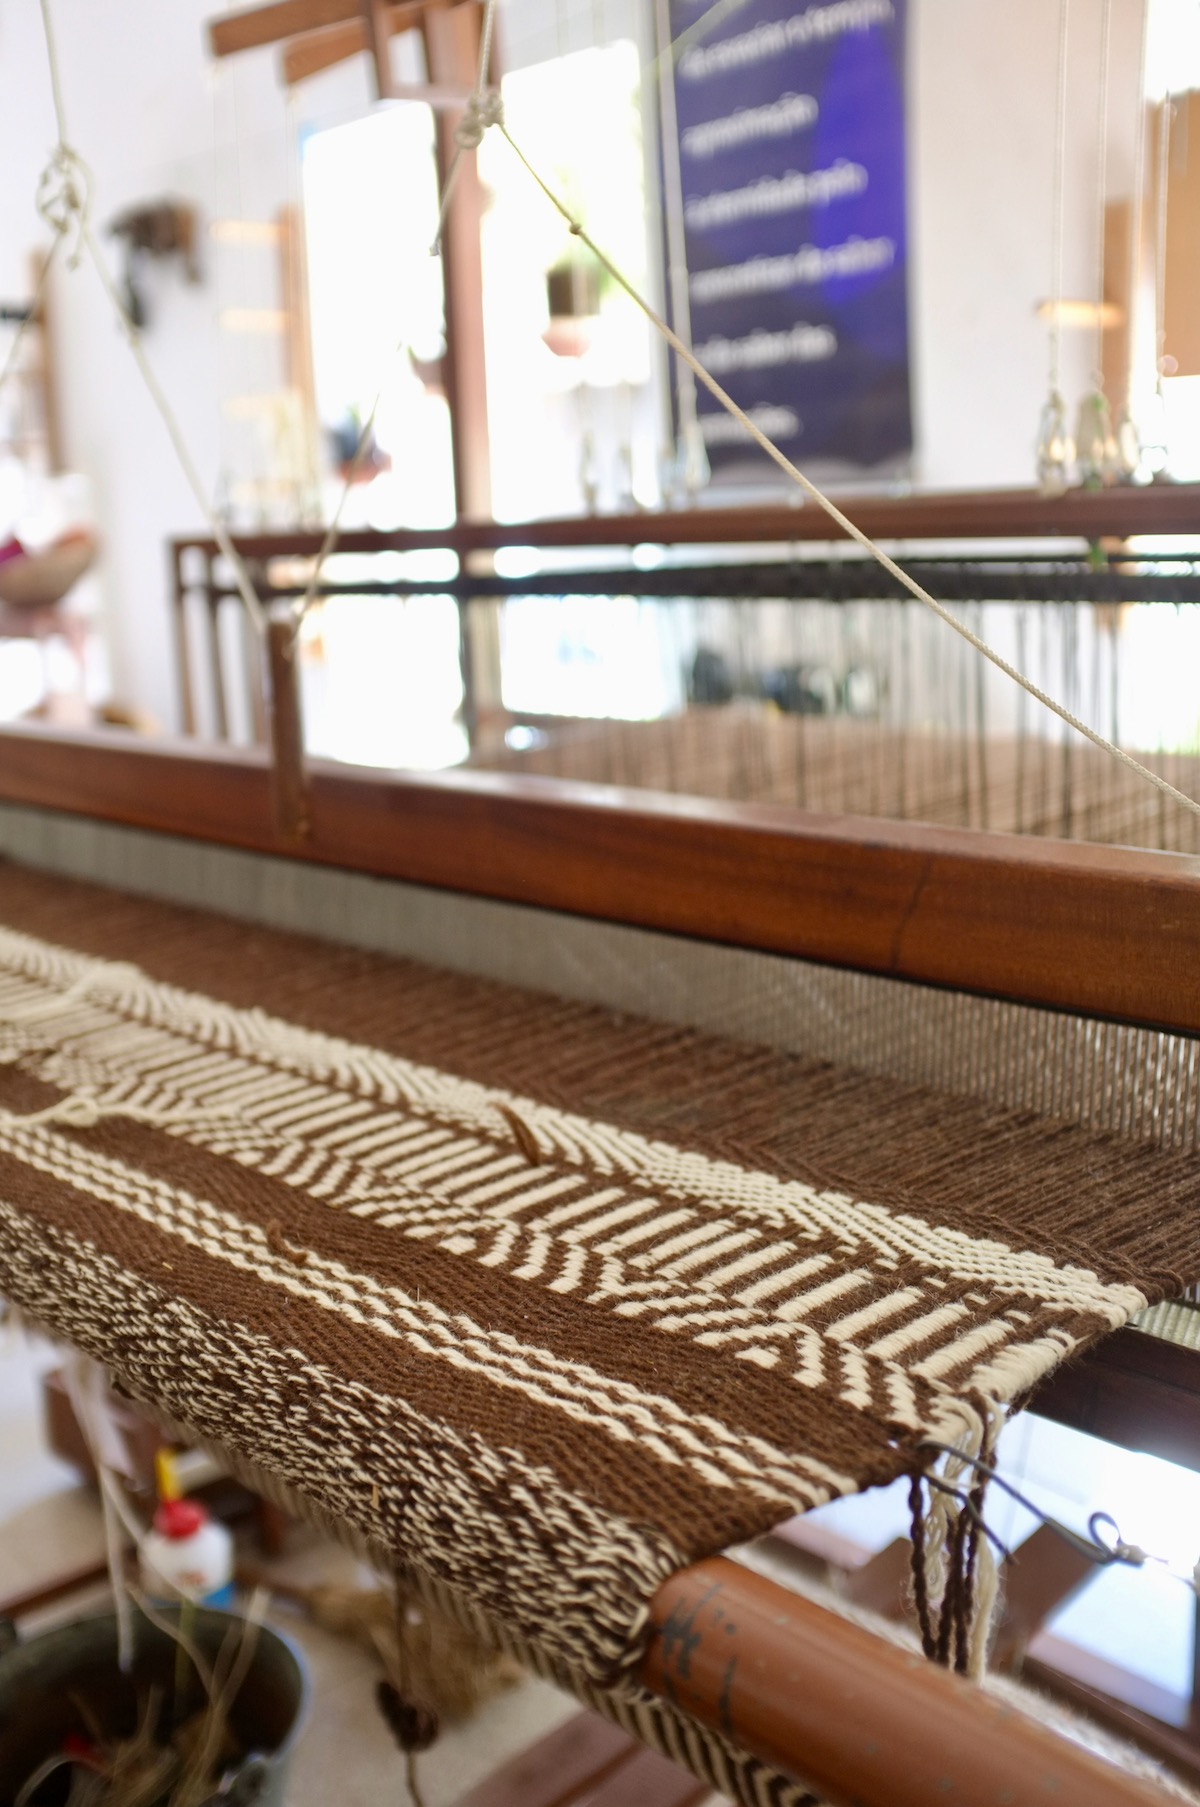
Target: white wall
(152, 118)
(982, 147)
(142, 107)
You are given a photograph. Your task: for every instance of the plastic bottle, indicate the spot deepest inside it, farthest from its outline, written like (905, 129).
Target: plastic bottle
(188, 1556)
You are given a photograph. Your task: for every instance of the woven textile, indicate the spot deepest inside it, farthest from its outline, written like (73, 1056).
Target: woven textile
(547, 1302)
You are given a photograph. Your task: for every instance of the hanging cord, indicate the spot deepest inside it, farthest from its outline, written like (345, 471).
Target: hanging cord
(64, 201)
(1102, 186)
(1103, 1551)
(709, 19)
(1060, 176)
(484, 108)
(835, 514)
(1095, 447)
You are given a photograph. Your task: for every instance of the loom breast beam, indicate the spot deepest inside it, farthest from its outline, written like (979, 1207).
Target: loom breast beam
(863, 1722)
(1106, 932)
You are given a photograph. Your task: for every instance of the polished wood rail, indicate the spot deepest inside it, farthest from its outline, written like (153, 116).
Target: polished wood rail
(864, 1722)
(1099, 931)
(1007, 514)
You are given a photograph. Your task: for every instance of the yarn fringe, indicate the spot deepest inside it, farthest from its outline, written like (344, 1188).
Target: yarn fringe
(955, 1581)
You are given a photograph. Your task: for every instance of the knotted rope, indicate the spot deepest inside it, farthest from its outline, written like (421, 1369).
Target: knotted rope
(64, 198)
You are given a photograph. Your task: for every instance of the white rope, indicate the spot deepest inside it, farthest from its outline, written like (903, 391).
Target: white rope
(484, 109)
(64, 199)
(333, 531)
(1102, 184)
(835, 514)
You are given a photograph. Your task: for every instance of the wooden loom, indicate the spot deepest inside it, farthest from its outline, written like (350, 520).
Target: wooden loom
(1104, 933)
(1047, 927)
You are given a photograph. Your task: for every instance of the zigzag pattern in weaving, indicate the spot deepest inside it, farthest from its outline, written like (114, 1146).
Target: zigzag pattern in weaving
(486, 1327)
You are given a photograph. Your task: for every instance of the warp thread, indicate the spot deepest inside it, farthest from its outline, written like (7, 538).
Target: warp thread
(955, 1581)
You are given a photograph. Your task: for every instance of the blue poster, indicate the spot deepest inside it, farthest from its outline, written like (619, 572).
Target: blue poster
(791, 151)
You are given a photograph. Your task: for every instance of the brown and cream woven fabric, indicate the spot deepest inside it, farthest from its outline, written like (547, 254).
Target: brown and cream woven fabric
(547, 1302)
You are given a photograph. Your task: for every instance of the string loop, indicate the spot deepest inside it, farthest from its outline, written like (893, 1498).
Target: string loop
(64, 198)
(484, 109)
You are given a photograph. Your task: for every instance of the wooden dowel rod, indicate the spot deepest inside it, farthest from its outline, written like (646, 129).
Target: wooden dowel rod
(862, 1721)
(289, 778)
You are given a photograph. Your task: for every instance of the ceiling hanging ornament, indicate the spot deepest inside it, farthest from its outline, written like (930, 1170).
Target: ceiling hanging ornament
(1129, 458)
(1155, 448)
(1095, 442)
(1055, 450)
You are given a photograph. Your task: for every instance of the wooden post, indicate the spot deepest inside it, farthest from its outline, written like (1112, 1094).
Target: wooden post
(451, 39)
(379, 35)
(183, 656)
(855, 1718)
(289, 781)
(45, 372)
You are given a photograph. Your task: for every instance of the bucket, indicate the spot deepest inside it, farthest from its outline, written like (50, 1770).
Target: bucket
(52, 1685)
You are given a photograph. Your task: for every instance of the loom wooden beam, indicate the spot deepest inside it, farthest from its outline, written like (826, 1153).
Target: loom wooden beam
(315, 51)
(1137, 1391)
(951, 515)
(857, 1719)
(1110, 932)
(275, 23)
(259, 25)
(289, 779)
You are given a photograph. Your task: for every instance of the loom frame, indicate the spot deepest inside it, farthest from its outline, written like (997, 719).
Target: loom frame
(1109, 933)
